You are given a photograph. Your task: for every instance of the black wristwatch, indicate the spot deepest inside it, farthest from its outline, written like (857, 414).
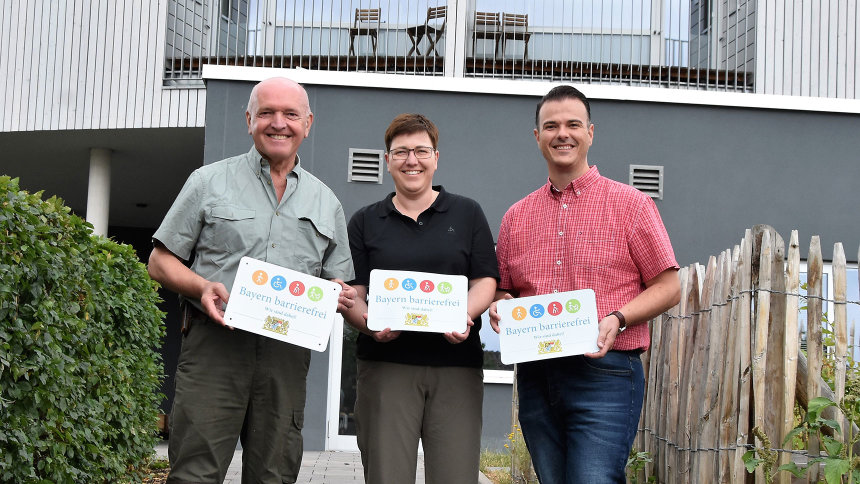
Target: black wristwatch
(623, 322)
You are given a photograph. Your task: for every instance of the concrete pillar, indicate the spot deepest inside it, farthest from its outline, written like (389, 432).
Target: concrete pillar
(98, 193)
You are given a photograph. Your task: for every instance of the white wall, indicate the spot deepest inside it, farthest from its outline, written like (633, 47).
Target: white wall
(89, 64)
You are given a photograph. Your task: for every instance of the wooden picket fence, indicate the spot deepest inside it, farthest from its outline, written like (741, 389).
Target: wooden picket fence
(727, 359)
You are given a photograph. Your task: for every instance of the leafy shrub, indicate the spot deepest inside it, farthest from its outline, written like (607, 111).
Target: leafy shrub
(79, 329)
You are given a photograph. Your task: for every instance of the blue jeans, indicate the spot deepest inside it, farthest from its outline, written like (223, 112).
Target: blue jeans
(580, 415)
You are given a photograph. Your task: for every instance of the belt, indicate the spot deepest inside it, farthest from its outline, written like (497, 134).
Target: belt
(190, 314)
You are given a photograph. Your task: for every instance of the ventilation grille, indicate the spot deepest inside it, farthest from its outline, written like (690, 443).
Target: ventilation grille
(365, 166)
(648, 179)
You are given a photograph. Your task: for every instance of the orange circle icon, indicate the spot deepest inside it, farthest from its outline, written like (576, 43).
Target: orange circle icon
(519, 313)
(391, 283)
(259, 277)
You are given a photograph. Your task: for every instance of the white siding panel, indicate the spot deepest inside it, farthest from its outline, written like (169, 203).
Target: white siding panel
(5, 66)
(841, 48)
(65, 53)
(201, 108)
(113, 44)
(769, 15)
(149, 29)
(55, 67)
(853, 70)
(797, 48)
(806, 48)
(160, 97)
(119, 74)
(779, 45)
(86, 67)
(133, 88)
(36, 106)
(837, 66)
(815, 49)
(21, 113)
(95, 37)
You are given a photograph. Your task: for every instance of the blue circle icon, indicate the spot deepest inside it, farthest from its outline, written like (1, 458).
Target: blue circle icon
(279, 283)
(409, 284)
(536, 311)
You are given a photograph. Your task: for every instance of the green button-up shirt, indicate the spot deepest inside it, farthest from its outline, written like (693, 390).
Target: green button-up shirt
(229, 209)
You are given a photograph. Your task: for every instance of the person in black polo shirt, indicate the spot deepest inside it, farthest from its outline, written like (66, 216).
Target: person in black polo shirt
(415, 385)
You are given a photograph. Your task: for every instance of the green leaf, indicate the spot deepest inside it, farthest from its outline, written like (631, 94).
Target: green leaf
(834, 469)
(831, 445)
(816, 406)
(793, 469)
(792, 434)
(750, 461)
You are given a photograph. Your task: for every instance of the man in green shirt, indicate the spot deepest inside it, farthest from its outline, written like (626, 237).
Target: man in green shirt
(233, 384)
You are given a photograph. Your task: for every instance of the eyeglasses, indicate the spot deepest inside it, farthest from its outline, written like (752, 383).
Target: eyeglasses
(421, 152)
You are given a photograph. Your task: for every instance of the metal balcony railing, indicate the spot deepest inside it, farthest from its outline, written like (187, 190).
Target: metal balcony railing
(736, 45)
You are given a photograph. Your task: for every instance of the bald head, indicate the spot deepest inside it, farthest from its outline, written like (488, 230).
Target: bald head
(281, 84)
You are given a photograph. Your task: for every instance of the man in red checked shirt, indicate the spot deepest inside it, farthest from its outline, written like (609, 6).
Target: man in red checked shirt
(580, 414)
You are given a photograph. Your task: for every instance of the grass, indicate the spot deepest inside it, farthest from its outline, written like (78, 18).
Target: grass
(155, 471)
(496, 466)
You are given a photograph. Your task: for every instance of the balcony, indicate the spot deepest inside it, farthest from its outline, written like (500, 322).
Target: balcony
(685, 44)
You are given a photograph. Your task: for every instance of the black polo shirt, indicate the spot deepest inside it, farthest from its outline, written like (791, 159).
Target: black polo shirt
(450, 237)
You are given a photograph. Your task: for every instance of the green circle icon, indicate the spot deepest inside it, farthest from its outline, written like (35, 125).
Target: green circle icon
(315, 293)
(572, 305)
(445, 288)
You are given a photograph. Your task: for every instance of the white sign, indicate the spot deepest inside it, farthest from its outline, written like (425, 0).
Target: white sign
(283, 304)
(548, 326)
(417, 301)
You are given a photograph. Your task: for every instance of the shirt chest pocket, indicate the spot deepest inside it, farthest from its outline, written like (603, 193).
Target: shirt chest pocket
(596, 250)
(313, 238)
(233, 226)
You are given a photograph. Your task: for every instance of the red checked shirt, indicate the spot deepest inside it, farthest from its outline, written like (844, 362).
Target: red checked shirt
(596, 233)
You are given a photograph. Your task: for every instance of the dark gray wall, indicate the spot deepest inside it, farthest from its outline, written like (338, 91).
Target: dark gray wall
(726, 169)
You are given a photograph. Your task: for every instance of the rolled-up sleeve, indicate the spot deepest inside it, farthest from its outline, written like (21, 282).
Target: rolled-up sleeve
(337, 262)
(181, 227)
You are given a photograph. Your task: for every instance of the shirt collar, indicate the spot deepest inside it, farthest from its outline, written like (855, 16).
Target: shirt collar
(577, 186)
(441, 204)
(256, 160)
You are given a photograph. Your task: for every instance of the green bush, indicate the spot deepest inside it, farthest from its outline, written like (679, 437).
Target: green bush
(79, 329)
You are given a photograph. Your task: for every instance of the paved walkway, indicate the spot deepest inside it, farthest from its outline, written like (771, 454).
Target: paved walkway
(327, 467)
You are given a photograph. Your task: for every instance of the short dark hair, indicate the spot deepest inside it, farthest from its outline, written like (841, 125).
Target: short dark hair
(408, 123)
(560, 93)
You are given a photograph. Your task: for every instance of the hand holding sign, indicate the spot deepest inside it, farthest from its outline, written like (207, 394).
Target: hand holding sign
(283, 304)
(547, 326)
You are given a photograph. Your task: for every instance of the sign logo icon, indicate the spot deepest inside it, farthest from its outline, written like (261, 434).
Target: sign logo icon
(297, 288)
(259, 277)
(554, 308)
(550, 346)
(279, 283)
(416, 319)
(409, 284)
(391, 283)
(445, 288)
(519, 313)
(427, 286)
(315, 293)
(572, 305)
(536, 311)
(276, 325)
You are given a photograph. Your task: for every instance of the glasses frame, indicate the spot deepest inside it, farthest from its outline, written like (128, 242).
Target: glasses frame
(399, 157)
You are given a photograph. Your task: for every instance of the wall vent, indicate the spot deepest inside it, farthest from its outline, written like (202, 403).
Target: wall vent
(365, 166)
(648, 179)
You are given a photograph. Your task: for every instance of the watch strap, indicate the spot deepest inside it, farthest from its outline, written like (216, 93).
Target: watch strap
(621, 320)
